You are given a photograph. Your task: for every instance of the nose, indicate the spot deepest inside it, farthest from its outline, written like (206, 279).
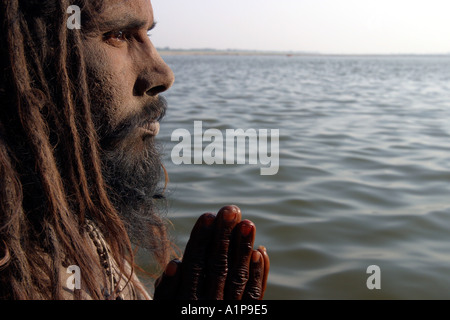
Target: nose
(155, 76)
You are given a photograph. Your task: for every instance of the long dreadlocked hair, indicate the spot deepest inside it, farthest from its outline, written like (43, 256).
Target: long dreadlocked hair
(50, 168)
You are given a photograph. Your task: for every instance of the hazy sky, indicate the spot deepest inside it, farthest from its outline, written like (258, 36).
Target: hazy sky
(326, 26)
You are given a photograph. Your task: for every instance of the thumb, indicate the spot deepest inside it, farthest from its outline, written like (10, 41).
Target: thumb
(167, 285)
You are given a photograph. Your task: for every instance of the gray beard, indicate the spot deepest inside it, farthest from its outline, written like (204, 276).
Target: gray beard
(135, 191)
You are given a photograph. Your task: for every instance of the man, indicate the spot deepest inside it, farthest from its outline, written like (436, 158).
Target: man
(80, 170)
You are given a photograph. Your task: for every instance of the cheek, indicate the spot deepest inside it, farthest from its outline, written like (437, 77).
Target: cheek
(111, 84)
(120, 83)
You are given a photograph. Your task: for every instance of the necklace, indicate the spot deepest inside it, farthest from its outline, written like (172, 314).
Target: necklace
(105, 261)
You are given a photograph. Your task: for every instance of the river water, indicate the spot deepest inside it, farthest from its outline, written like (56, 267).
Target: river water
(364, 168)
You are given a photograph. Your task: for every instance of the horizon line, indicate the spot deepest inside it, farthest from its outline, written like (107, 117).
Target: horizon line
(287, 52)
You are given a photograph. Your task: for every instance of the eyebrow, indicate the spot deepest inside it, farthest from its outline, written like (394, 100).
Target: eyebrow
(125, 22)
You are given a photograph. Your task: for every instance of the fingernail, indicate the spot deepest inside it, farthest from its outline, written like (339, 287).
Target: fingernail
(230, 214)
(256, 256)
(208, 219)
(171, 269)
(246, 228)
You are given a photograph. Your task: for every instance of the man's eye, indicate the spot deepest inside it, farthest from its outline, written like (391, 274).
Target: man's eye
(149, 33)
(115, 36)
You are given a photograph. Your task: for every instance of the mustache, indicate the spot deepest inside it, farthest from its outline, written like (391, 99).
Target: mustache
(152, 112)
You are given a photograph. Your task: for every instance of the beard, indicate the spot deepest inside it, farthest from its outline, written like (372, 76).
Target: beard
(132, 169)
(135, 190)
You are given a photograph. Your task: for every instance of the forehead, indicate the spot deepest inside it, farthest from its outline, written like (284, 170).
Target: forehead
(123, 9)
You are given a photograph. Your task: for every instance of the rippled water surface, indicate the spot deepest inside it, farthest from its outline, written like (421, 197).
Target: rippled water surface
(364, 168)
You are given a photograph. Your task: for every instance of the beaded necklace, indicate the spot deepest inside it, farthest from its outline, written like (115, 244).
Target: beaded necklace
(105, 261)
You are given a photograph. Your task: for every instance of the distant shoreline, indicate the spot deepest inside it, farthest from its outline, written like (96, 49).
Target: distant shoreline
(211, 52)
(228, 53)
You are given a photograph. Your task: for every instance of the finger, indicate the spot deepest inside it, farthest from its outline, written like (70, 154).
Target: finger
(217, 267)
(239, 260)
(266, 259)
(254, 288)
(167, 286)
(194, 259)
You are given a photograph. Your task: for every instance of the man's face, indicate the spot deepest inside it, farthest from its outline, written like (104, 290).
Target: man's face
(125, 77)
(126, 73)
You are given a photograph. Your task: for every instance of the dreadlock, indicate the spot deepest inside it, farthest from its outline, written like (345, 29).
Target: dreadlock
(50, 168)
